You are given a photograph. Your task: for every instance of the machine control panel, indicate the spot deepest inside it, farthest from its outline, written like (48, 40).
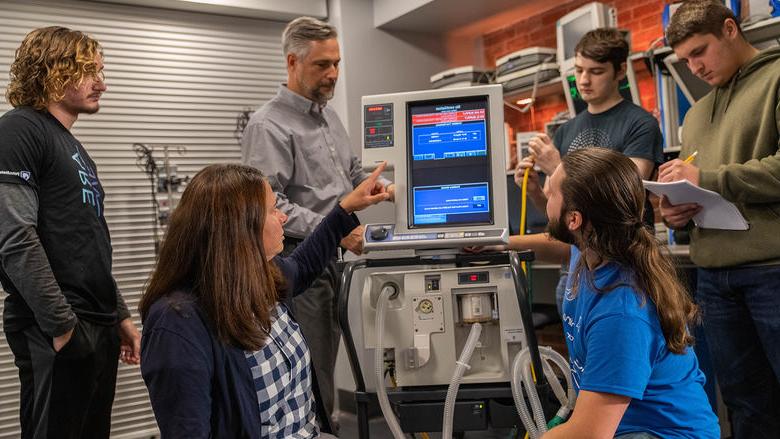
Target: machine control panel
(384, 236)
(378, 125)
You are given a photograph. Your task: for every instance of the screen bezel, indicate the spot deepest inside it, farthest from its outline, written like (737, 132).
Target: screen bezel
(410, 159)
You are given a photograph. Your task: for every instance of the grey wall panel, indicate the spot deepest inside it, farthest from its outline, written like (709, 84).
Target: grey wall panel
(174, 78)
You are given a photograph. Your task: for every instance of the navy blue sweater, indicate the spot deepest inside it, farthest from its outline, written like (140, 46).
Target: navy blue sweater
(201, 387)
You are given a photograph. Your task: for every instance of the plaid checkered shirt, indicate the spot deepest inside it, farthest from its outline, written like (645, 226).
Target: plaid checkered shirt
(282, 375)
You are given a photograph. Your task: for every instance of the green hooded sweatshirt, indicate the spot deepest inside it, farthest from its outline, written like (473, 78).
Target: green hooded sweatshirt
(735, 129)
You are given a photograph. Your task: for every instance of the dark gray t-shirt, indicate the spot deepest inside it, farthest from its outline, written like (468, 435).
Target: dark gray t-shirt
(625, 128)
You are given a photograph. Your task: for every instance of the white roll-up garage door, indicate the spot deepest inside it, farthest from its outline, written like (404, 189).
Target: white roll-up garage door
(173, 78)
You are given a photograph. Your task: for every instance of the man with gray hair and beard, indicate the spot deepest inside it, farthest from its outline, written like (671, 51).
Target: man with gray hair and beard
(302, 147)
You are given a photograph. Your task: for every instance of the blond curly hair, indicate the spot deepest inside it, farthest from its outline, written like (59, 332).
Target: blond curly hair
(50, 60)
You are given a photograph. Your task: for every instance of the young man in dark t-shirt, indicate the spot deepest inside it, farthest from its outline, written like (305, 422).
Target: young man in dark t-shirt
(624, 127)
(64, 318)
(609, 122)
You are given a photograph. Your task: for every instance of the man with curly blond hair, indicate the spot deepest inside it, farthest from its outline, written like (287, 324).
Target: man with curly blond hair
(64, 318)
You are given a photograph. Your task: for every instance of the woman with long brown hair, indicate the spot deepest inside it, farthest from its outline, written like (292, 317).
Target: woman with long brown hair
(625, 312)
(221, 353)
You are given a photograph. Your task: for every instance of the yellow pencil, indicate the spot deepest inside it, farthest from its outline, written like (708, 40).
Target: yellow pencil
(691, 157)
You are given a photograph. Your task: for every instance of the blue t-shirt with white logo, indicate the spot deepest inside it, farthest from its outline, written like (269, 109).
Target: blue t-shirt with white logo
(616, 346)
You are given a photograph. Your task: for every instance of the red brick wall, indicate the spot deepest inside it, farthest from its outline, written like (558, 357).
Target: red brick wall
(641, 17)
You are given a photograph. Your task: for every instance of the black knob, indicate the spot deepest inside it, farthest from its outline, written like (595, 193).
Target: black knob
(379, 233)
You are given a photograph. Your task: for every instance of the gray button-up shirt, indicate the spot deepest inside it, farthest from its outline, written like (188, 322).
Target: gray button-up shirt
(304, 151)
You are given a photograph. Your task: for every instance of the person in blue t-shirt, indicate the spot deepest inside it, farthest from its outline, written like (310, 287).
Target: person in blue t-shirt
(625, 312)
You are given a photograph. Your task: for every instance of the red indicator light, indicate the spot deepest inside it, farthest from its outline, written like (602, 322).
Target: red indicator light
(473, 277)
(372, 130)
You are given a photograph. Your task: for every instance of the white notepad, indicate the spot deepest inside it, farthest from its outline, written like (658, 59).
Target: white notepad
(717, 212)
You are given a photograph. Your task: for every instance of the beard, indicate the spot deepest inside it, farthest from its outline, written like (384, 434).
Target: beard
(558, 230)
(323, 92)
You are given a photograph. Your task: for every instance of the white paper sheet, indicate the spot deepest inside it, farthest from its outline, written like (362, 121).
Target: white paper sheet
(717, 212)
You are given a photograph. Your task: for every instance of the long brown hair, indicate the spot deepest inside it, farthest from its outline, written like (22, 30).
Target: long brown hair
(605, 187)
(48, 61)
(214, 248)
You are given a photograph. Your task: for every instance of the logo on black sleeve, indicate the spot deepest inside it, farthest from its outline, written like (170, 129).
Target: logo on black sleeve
(24, 175)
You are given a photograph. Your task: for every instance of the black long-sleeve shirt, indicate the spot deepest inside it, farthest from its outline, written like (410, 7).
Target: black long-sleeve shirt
(55, 250)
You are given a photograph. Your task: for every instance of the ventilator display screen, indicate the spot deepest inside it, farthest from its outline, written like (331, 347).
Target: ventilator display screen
(449, 162)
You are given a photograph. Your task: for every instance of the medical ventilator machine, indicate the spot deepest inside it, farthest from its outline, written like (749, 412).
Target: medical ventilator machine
(452, 333)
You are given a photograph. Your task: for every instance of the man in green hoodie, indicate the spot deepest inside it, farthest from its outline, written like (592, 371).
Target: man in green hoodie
(736, 131)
